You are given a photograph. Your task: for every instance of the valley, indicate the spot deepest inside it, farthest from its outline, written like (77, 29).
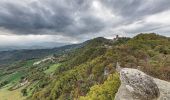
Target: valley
(82, 71)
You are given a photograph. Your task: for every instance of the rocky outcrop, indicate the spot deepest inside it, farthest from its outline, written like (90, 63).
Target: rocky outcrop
(136, 85)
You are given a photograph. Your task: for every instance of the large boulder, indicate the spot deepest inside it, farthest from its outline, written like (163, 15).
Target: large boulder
(136, 85)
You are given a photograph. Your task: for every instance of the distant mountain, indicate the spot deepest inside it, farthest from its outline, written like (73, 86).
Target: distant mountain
(11, 56)
(43, 45)
(7, 57)
(7, 48)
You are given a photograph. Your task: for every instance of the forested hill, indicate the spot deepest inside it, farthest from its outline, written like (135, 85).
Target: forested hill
(88, 72)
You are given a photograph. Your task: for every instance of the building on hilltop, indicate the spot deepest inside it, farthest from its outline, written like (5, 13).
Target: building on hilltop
(116, 38)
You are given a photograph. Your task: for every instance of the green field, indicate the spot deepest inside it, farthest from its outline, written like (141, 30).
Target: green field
(52, 68)
(29, 63)
(14, 77)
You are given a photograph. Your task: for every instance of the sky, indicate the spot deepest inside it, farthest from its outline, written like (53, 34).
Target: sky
(29, 22)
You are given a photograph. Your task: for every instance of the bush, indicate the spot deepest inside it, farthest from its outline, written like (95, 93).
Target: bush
(24, 92)
(106, 91)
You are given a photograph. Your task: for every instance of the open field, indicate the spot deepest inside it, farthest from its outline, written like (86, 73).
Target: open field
(52, 68)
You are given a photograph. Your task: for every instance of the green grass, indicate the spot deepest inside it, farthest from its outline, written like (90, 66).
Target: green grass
(12, 78)
(15, 77)
(52, 68)
(29, 63)
(5, 93)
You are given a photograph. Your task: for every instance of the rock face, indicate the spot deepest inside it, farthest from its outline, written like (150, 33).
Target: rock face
(136, 85)
(164, 88)
(139, 84)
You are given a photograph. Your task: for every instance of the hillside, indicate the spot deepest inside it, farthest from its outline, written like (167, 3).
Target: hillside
(88, 71)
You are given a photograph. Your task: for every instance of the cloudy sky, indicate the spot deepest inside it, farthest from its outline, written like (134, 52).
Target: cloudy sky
(25, 22)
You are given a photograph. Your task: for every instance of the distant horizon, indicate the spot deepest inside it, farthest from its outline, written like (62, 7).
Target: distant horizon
(48, 45)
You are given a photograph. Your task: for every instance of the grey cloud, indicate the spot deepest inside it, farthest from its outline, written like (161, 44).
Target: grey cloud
(24, 20)
(54, 16)
(73, 18)
(137, 8)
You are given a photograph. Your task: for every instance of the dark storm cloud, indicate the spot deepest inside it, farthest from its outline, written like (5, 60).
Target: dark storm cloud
(48, 17)
(76, 17)
(34, 17)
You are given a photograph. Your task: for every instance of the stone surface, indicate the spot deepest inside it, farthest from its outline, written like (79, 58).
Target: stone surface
(164, 88)
(136, 85)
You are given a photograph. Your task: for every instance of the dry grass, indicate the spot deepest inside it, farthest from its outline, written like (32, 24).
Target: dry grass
(5, 94)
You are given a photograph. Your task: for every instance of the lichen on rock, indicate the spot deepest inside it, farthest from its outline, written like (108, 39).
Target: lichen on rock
(136, 85)
(139, 84)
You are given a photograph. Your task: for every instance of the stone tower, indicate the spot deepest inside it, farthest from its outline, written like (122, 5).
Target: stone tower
(116, 38)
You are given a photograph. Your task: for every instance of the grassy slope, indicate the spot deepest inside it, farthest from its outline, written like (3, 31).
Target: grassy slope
(52, 68)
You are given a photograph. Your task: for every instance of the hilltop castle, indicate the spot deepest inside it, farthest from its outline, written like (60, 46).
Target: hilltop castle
(116, 38)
